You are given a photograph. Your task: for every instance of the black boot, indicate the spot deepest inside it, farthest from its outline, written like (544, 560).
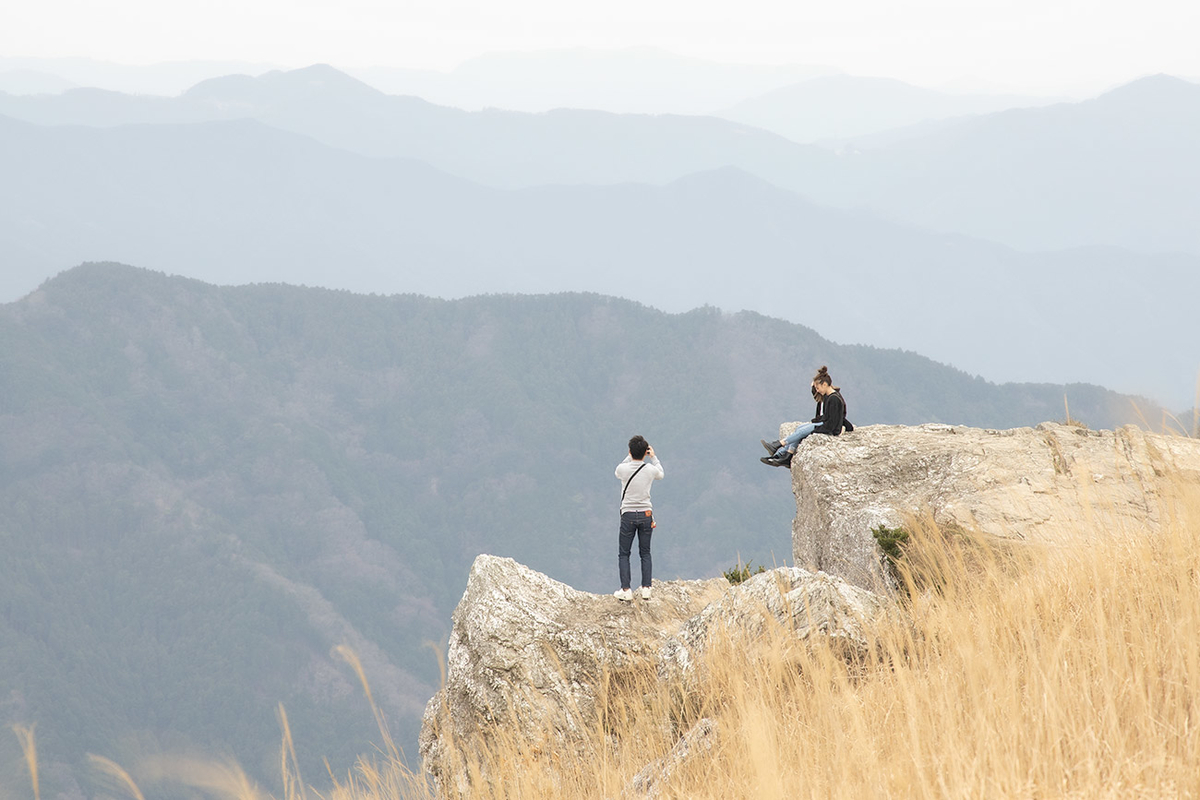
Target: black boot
(772, 461)
(771, 446)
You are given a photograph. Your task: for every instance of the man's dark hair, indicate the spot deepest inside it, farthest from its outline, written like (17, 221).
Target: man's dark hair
(638, 447)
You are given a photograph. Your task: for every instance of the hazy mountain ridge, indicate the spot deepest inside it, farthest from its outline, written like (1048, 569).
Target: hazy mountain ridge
(32, 81)
(846, 106)
(506, 149)
(1118, 170)
(629, 80)
(163, 78)
(237, 202)
(639, 80)
(203, 489)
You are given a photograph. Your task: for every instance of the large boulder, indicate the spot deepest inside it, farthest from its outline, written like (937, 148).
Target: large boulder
(1038, 484)
(527, 654)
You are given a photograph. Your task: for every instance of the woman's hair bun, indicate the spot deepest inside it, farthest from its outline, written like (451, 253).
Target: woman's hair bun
(823, 371)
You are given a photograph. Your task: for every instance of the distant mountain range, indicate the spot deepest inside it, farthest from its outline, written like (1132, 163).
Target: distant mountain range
(505, 149)
(844, 106)
(238, 202)
(33, 75)
(203, 490)
(628, 80)
(637, 80)
(28, 81)
(1120, 170)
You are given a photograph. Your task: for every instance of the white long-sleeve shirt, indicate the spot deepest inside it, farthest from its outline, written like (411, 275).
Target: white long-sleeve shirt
(637, 497)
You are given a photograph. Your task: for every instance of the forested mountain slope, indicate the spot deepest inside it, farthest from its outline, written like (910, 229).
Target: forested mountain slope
(203, 490)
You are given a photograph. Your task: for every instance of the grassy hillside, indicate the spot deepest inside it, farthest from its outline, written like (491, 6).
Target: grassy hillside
(1067, 671)
(203, 490)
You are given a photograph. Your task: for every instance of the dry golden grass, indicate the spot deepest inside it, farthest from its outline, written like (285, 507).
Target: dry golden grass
(1065, 671)
(28, 742)
(1031, 672)
(116, 776)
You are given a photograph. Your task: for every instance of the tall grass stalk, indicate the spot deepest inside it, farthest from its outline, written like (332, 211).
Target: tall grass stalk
(29, 751)
(385, 776)
(219, 778)
(116, 774)
(289, 766)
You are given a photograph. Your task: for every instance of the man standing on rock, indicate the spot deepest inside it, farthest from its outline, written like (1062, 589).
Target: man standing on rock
(636, 473)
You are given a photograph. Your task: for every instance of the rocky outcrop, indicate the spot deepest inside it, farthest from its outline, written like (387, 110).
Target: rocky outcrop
(528, 657)
(1028, 483)
(527, 654)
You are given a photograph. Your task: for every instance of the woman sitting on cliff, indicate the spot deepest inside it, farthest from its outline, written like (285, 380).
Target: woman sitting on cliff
(830, 419)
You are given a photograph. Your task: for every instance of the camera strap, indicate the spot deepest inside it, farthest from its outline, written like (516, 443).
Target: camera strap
(631, 477)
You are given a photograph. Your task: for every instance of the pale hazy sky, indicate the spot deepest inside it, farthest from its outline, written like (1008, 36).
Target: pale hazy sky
(1045, 45)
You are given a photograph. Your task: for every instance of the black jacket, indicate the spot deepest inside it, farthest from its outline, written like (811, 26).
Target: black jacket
(831, 415)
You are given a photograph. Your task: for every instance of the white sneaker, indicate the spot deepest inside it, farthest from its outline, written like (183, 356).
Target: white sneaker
(645, 592)
(623, 594)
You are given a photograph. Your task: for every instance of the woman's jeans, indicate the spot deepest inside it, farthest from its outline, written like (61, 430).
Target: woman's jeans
(795, 438)
(640, 523)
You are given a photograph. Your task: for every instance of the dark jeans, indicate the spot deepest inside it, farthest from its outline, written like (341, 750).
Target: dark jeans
(640, 523)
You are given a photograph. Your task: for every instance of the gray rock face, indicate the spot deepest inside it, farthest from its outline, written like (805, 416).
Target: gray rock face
(1027, 483)
(527, 653)
(810, 604)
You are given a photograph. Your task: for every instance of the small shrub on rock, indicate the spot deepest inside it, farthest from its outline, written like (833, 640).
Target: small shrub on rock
(741, 572)
(891, 541)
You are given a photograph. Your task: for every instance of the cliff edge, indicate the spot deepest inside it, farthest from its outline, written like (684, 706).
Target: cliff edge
(1035, 484)
(529, 657)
